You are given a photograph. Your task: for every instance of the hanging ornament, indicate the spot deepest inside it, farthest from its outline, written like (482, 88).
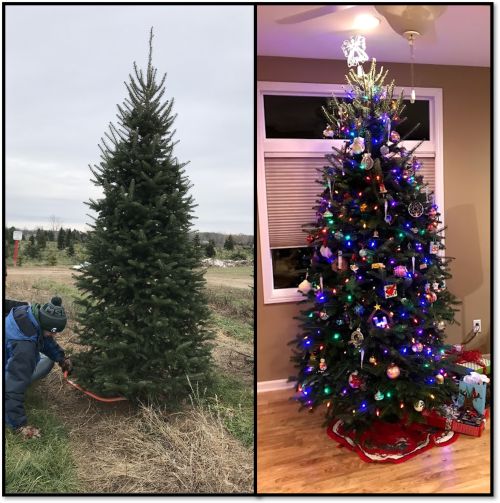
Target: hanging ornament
(415, 209)
(366, 161)
(358, 145)
(305, 287)
(378, 396)
(434, 248)
(395, 136)
(354, 267)
(354, 380)
(413, 264)
(383, 318)
(400, 271)
(322, 365)
(326, 252)
(328, 132)
(338, 235)
(390, 290)
(327, 214)
(363, 207)
(384, 150)
(378, 265)
(440, 325)
(418, 347)
(375, 234)
(393, 371)
(363, 252)
(359, 309)
(435, 286)
(339, 259)
(429, 295)
(373, 360)
(324, 315)
(387, 217)
(439, 378)
(414, 230)
(433, 226)
(357, 338)
(382, 189)
(419, 405)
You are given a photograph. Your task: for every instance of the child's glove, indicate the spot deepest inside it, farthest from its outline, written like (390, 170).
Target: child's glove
(29, 432)
(66, 365)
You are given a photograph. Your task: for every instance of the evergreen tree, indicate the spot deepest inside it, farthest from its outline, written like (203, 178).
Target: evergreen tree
(229, 243)
(51, 258)
(41, 238)
(144, 316)
(32, 249)
(70, 250)
(61, 239)
(372, 341)
(68, 238)
(10, 234)
(210, 249)
(50, 236)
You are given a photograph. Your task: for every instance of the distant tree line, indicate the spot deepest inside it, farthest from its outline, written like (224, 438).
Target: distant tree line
(219, 239)
(38, 239)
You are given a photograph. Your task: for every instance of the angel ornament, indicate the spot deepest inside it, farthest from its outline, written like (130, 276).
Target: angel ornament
(355, 50)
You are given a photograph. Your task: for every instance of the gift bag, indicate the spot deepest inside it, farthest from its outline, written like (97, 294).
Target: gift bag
(472, 392)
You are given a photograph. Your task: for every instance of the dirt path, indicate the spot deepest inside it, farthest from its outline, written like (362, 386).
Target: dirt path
(214, 276)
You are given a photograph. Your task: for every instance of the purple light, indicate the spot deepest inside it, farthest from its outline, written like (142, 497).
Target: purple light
(360, 278)
(420, 331)
(385, 351)
(393, 203)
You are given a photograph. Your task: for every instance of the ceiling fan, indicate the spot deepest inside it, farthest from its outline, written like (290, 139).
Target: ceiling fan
(418, 19)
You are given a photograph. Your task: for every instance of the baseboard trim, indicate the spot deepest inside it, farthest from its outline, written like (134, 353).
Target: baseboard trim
(279, 384)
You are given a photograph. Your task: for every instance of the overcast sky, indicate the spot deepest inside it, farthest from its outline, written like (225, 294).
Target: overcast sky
(65, 71)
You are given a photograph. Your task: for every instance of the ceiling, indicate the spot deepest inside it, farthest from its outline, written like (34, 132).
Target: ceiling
(462, 35)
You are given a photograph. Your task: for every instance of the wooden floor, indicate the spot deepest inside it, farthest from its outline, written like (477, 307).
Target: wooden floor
(295, 455)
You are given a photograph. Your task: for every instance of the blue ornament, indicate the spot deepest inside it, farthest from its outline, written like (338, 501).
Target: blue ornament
(359, 309)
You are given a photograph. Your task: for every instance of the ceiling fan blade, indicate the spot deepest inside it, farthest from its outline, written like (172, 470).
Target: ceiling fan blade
(418, 18)
(313, 13)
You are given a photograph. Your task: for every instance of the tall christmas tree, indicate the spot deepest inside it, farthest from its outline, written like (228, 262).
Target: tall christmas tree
(372, 340)
(144, 313)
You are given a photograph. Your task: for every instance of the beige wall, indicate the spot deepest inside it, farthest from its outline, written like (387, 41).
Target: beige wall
(466, 113)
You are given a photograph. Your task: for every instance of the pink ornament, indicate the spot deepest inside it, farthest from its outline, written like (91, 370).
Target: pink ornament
(393, 371)
(400, 271)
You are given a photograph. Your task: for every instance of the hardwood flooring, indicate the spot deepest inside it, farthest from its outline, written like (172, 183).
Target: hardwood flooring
(295, 455)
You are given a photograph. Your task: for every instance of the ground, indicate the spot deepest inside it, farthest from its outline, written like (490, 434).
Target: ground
(121, 448)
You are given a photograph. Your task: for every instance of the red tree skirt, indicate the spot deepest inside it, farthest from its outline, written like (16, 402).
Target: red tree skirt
(391, 442)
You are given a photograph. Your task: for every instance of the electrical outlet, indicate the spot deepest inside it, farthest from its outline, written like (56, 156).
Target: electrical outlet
(476, 326)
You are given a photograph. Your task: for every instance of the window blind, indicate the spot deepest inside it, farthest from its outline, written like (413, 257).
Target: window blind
(292, 191)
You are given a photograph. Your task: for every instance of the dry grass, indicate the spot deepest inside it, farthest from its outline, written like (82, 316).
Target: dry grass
(154, 452)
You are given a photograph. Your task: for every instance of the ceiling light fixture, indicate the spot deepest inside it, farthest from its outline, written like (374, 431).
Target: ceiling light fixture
(366, 22)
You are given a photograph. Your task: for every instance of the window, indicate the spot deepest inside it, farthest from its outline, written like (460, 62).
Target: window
(291, 149)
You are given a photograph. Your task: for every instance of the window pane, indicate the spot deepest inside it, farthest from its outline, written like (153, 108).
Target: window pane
(302, 117)
(290, 266)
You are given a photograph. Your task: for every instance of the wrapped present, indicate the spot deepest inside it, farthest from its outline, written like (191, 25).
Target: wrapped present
(450, 417)
(470, 359)
(472, 392)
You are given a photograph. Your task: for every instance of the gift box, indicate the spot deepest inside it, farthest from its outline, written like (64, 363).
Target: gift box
(472, 392)
(468, 422)
(482, 367)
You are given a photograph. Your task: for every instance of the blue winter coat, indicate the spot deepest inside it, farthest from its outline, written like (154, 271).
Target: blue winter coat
(24, 341)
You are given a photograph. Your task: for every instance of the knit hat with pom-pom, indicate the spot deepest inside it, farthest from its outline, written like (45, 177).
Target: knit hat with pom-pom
(52, 315)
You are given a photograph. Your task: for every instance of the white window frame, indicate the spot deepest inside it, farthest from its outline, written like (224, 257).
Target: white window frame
(277, 147)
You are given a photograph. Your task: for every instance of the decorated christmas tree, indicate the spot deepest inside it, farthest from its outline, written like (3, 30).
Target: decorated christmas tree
(143, 315)
(371, 345)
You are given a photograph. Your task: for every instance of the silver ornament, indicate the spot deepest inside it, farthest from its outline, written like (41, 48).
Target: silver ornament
(415, 209)
(419, 406)
(384, 150)
(366, 161)
(357, 338)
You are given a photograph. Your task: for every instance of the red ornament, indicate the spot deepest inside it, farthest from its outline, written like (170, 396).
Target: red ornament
(393, 371)
(354, 380)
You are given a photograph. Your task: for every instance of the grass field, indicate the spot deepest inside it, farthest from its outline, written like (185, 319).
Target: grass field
(92, 447)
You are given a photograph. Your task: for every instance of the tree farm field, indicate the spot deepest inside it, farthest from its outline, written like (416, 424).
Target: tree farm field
(93, 447)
